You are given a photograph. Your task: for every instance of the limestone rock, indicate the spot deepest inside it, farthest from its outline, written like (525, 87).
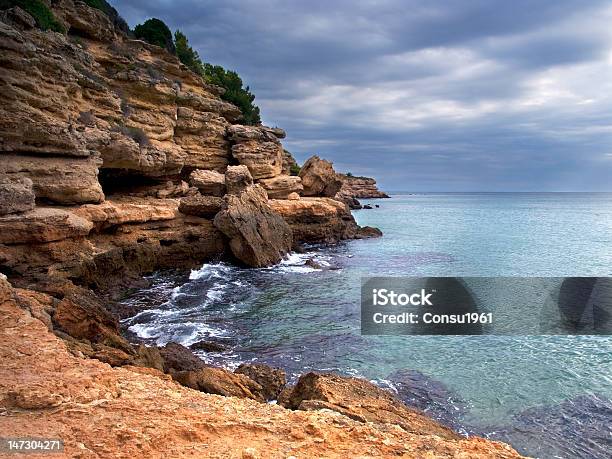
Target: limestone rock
(208, 182)
(201, 206)
(16, 195)
(202, 136)
(258, 235)
(126, 210)
(320, 220)
(319, 178)
(83, 316)
(60, 180)
(89, 22)
(360, 187)
(42, 224)
(348, 199)
(220, 382)
(281, 186)
(361, 400)
(271, 380)
(258, 148)
(237, 179)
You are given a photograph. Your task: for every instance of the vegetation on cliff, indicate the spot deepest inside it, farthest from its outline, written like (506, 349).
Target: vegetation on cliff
(44, 17)
(235, 92)
(156, 32)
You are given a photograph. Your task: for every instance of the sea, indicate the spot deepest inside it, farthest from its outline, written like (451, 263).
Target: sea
(548, 396)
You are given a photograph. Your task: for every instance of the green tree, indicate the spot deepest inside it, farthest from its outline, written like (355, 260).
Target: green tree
(234, 91)
(156, 32)
(217, 75)
(186, 54)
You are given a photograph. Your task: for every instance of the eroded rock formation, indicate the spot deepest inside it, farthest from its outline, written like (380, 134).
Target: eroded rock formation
(116, 160)
(360, 187)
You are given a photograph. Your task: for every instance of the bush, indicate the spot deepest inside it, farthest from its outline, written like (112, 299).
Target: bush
(44, 17)
(294, 169)
(348, 174)
(217, 75)
(234, 92)
(155, 32)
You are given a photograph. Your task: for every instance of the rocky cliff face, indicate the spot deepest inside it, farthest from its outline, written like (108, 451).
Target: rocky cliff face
(360, 187)
(107, 147)
(116, 160)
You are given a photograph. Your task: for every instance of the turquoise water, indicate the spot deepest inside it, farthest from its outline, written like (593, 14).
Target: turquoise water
(302, 318)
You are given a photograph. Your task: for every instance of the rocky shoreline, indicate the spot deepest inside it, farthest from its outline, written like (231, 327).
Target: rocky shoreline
(115, 161)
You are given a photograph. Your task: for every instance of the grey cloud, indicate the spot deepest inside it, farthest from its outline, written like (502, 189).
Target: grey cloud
(477, 94)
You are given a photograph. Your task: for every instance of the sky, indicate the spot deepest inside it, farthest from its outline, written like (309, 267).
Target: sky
(471, 95)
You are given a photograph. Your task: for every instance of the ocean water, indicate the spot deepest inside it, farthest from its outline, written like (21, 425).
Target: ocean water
(549, 396)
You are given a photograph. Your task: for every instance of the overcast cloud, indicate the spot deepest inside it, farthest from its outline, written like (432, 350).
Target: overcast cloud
(424, 96)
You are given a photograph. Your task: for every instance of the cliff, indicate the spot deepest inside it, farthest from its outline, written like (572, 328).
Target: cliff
(116, 160)
(360, 187)
(107, 145)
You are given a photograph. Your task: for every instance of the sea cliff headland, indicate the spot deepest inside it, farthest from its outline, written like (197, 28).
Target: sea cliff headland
(117, 160)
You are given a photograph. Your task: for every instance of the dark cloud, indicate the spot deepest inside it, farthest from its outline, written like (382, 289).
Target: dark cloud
(447, 95)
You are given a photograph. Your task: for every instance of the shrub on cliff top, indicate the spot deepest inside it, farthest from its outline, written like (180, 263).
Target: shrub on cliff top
(44, 17)
(217, 75)
(234, 92)
(186, 54)
(155, 32)
(294, 169)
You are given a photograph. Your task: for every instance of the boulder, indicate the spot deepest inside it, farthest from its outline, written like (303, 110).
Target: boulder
(271, 380)
(319, 178)
(258, 148)
(43, 224)
(258, 235)
(320, 220)
(220, 382)
(60, 180)
(362, 401)
(208, 182)
(16, 195)
(237, 179)
(201, 206)
(82, 315)
(178, 358)
(281, 186)
(293, 197)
